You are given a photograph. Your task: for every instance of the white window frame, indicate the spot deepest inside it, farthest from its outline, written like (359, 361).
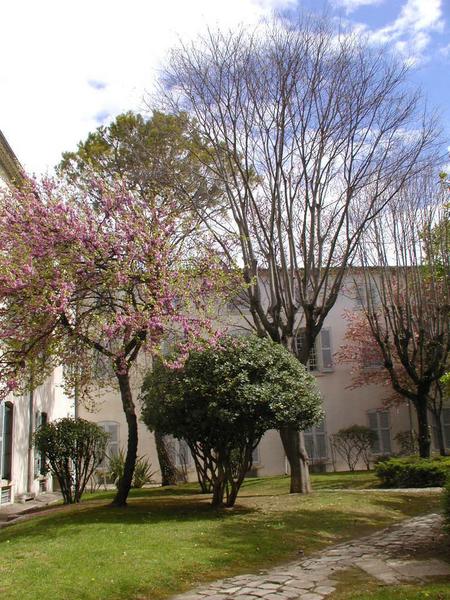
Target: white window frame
(322, 345)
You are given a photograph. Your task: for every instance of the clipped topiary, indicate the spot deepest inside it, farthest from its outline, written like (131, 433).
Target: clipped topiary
(72, 449)
(224, 399)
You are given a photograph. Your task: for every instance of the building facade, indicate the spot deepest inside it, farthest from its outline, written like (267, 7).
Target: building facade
(343, 407)
(21, 471)
(22, 475)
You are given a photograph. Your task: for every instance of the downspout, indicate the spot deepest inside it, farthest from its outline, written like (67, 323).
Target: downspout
(30, 474)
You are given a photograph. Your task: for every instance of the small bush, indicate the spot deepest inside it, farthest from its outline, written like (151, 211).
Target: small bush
(72, 450)
(413, 472)
(142, 471)
(353, 443)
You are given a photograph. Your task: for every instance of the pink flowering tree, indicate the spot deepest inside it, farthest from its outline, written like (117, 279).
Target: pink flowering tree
(89, 284)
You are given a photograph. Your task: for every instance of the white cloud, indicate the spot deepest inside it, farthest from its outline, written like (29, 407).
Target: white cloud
(445, 51)
(410, 31)
(67, 67)
(352, 5)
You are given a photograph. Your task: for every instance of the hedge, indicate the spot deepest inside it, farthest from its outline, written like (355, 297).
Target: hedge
(413, 472)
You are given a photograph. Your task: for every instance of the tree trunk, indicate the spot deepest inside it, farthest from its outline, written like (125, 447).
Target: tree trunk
(421, 405)
(130, 460)
(439, 433)
(294, 447)
(218, 489)
(168, 469)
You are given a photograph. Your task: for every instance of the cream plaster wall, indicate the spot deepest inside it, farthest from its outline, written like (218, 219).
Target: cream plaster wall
(343, 407)
(49, 398)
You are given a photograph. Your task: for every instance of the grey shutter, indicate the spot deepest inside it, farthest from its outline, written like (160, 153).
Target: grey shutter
(256, 456)
(373, 424)
(37, 455)
(7, 440)
(325, 344)
(446, 426)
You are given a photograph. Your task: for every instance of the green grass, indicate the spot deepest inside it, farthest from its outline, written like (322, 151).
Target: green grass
(356, 585)
(167, 541)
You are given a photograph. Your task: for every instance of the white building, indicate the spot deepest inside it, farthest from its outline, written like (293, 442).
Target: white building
(21, 475)
(20, 468)
(343, 407)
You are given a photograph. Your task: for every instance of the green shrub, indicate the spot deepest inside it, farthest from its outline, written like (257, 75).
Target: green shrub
(142, 471)
(354, 443)
(223, 400)
(413, 472)
(72, 450)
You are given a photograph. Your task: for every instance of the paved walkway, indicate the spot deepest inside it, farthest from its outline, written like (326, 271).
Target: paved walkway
(11, 513)
(386, 556)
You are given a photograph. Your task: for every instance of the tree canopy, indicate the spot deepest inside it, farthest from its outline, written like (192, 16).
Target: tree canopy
(89, 284)
(225, 397)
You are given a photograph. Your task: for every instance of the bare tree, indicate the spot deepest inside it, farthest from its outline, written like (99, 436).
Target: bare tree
(303, 122)
(406, 275)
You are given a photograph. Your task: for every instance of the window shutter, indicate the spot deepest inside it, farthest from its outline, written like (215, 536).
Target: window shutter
(255, 456)
(7, 441)
(112, 445)
(325, 344)
(184, 458)
(315, 442)
(379, 422)
(37, 455)
(446, 425)
(373, 424)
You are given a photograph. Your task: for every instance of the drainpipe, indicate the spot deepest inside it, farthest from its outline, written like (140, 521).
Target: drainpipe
(30, 474)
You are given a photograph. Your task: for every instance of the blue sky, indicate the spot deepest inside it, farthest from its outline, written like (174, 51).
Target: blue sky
(68, 67)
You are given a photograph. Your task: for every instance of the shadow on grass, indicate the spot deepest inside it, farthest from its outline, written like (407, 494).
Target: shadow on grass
(241, 524)
(163, 544)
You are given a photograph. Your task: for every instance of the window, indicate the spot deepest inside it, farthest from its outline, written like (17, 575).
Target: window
(445, 420)
(379, 422)
(256, 458)
(299, 343)
(39, 458)
(446, 425)
(6, 435)
(321, 356)
(112, 447)
(179, 451)
(316, 442)
(365, 294)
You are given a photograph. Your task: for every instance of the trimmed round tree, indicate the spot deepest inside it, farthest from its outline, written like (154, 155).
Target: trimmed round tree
(72, 448)
(224, 398)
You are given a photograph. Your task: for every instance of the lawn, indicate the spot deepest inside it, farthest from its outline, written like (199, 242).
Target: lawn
(355, 585)
(167, 541)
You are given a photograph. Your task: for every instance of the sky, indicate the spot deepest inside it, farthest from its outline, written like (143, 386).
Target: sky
(68, 67)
